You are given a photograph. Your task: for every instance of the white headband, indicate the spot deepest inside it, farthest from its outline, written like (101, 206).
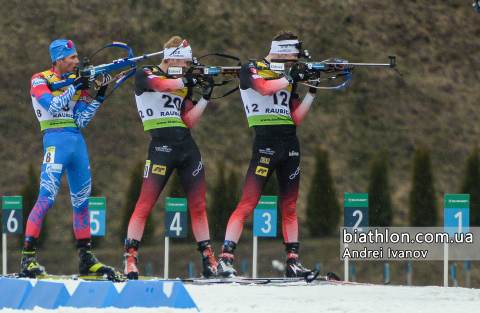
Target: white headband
(284, 47)
(178, 53)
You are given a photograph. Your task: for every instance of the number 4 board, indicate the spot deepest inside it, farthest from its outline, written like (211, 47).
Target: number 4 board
(176, 217)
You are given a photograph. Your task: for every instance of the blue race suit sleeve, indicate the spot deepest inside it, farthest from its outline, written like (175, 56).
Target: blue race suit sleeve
(54, 104)
(83, 114)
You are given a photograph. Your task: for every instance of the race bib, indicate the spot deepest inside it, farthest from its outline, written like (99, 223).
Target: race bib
(146, 169)
(49, 155)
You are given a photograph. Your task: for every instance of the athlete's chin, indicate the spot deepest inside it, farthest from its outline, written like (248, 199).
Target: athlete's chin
(290, 63)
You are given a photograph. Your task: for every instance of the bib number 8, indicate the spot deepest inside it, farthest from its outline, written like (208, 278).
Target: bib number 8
(49, 155)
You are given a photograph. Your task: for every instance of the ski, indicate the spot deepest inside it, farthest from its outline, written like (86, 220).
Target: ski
(329, 279)
(90, 277)
(333, 279)
(342, 282)
(314, 278)
(227, 280)
(248, 281)
(216, 280)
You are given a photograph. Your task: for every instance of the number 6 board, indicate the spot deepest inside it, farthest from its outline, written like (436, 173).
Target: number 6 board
(12, 215)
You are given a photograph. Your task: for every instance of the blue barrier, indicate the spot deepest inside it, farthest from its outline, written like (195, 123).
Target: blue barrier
(93, 295)
(153, 294)
(19, 294)
(47, 295)
(13, 292)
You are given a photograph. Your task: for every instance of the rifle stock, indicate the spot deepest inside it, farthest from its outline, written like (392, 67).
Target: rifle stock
(217, 70)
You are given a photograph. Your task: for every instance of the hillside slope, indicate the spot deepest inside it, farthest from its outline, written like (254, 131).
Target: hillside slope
(433, 105)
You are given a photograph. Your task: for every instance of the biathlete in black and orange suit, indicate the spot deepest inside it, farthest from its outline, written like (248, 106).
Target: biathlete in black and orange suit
(167, 111)
(274, 110)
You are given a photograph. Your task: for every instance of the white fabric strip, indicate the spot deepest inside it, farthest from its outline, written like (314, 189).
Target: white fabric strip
(284, 47)
(202, 102)
(308, 99)
(178, 53)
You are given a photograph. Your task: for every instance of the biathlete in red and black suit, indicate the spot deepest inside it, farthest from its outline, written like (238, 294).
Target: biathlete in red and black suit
(274, 110)
(167, 111)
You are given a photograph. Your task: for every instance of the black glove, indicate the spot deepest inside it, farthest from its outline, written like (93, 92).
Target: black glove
(311, 89)
(106, 79)
(81, 82)
(207, 87)
(190, 79)
(101, 93)
(298, 73)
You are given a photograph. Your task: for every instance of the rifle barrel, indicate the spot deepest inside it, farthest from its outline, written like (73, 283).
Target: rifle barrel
(361, 64)
(146, 56)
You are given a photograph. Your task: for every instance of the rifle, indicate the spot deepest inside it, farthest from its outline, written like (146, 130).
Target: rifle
(87, 69)
(198, 68)
(339, 68)
(202, 70)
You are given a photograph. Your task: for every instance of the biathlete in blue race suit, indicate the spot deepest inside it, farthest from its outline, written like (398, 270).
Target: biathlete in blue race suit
(61, 114)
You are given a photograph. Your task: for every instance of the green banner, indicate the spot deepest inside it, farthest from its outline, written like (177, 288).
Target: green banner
(12, 203)
(267, 203)
(97, 203)
(176, 204)
(356, 200)
(453, 201)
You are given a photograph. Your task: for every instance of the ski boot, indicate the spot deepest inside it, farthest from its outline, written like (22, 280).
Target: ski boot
(225, 263)
(209, 265)
(88, 264)
(293, 267)
(130, 259)
(30, 266)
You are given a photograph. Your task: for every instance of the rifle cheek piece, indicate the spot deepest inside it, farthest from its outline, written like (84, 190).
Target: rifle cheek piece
(304, 54)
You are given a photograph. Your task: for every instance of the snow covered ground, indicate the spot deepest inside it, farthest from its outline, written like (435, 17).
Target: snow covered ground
(310, 298)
